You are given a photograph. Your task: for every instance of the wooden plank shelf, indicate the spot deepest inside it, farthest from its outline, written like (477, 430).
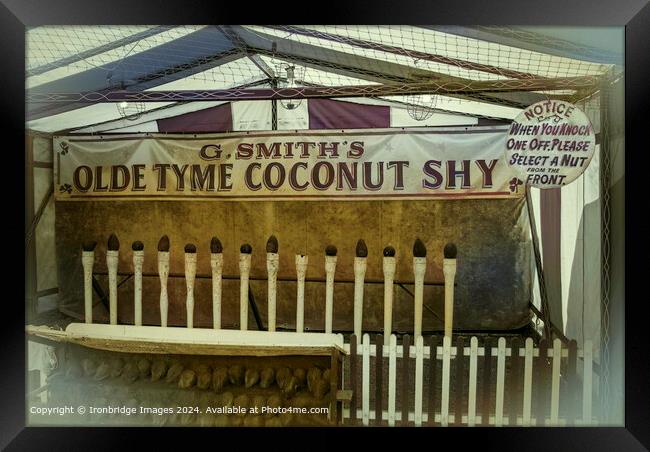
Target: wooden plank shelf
(192, 341)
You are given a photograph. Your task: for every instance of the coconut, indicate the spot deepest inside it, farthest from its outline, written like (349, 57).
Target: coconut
(116, 364)
(282, 376)
(174, 373)
(187, 379)
(236, 375)
(130, 372)
(158, 370)
(313, 375)
(219, 379)
(89, 366)
(203, 380)
(252, 377)
(103, 371)
(267, 377)
(144, 367)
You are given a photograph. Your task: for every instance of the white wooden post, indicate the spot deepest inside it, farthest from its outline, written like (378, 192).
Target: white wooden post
(471, 404)
(419, 269)
(365, 380)
(419, 371)
(446, 364)
(449, 272)
(360, 265)
(190, 275)
(301, 271)
(389, 275)
(87, 261)
(555, 382)
(392, 379)
(163, 274)
(330, 269)
(244, 274)
(272, 263)
(501, 374)
(112, 260)
(528, 382)
(216, 264)
(138, 261)
(587, 382)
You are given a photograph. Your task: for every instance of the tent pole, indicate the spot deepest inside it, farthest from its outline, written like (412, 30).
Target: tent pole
(30, 251)
(546, 317)
(274, 107)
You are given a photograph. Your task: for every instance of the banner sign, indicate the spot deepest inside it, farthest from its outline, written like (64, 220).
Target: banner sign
(369, 164)
(550, 144)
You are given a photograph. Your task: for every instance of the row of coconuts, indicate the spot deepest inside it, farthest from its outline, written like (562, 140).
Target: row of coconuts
(202, 376)
(273, 417)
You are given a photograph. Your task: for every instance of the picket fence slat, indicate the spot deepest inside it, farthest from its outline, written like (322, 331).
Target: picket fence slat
(487, 382)
(365, 378)
(354, 378)
(459, 379)
(446, 364)
(572, 382)
(406, 346)
(587, 385)
(379, 377)
(419, 371)
(555, 382)
(541, 385)
(501, 375)
(433, 378)
(392, 379)
(514, 382)
(473, 364)
(528, 383)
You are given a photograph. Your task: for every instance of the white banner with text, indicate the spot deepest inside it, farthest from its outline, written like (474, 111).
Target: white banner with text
(360, 164)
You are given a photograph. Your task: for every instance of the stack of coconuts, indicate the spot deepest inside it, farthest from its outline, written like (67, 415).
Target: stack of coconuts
(240, 392)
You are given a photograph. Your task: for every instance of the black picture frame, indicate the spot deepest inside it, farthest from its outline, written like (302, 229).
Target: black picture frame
(16, 15)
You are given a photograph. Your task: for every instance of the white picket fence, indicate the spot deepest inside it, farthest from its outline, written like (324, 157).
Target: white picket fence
(469, 416)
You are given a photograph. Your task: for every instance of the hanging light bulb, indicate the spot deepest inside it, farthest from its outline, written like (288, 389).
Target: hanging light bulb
(130, 110)
(291, 83)
(420, 106)
(290, 73)
(291, 76)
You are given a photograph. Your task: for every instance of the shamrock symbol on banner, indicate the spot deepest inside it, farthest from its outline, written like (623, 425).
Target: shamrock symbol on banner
(514, 184)
(65, 188)
(64, 147)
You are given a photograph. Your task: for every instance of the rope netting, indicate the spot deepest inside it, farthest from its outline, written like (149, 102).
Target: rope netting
(130, 55)
(405, 63)
(439, 52)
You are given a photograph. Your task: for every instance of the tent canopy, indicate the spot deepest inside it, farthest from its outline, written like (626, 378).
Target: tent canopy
(484, 72)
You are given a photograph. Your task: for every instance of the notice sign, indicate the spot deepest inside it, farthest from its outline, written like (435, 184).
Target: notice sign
(550, 144)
